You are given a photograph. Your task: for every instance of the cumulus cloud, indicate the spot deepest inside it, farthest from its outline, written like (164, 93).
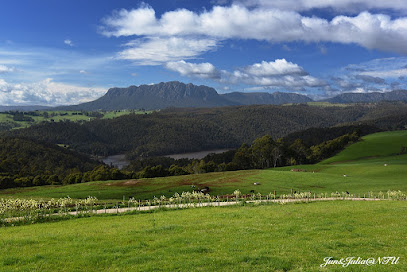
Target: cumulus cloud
(46, 92)
(201, 70)
(5, 69)
(279, 73)
(338, 5)
(286, 81)
(68, 42)
(373, 31)
(275, 68)
(156, 50)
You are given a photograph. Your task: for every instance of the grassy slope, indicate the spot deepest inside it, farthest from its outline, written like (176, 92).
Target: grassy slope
(363, 175)
(75, 118)
(293, 237)
(375, 145)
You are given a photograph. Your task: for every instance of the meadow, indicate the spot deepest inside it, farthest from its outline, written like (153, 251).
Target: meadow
(291, 237)
(246, 237)
(363, 163)
(57, 116)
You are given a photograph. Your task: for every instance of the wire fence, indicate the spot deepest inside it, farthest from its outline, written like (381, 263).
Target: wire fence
(15, 211)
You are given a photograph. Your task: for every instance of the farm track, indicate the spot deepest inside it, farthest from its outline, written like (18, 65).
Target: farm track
(196, 205)
(218, 204)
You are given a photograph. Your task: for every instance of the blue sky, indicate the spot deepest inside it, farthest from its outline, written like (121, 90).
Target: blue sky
(68, 52)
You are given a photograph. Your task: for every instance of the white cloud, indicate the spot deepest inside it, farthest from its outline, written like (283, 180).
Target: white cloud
(155, 50)
(286, 81)
(278, 73)
(338, 5)
(46, 92)
(373, 31)
(367, 90)
(83, 72)
(273, 68)
(5, 69)
(390, 68)
(202, 70)
(395, 73)
(68, 42)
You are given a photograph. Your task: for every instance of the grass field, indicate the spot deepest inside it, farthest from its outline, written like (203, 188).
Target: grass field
(273, 237)
(362, 162)
(324, 104)
(57, 116)
(291, 237)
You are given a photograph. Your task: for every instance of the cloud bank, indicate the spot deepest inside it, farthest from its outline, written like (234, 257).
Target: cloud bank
(157, 50)
(337, 5)
(279, 73)
(47, 93)
(200, 32)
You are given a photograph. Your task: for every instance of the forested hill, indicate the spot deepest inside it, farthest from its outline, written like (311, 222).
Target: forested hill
(24, 157)
(178, 94)
(187, 130)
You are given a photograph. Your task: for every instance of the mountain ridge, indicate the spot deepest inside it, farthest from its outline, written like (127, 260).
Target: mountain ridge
(178, 94)
(175, 94)
(396, 95)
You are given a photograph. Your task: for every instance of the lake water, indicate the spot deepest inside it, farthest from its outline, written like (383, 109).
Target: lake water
(119, 161)
(196, 155)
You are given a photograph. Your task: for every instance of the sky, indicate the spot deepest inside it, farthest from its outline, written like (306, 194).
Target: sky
(61, 52)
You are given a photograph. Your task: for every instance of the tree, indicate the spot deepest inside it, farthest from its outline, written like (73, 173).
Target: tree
(263, 151)
(243, 158)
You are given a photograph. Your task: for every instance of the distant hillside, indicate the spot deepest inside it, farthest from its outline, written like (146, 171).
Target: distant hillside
(23, 108)
(265, 98)
(181, 130)
(27, 157)
(398, 95)
(180, 95)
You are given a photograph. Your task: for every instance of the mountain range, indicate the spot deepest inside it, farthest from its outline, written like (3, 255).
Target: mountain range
(397, 95)
(179, 95)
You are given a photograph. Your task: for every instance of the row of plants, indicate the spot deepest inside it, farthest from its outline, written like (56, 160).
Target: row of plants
(14, 211)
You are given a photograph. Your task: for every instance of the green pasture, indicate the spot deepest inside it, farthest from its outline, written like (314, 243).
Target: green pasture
(291, 237)
(58, 116)
(323, 104)
(375, 145)
(114, 114)
(361, 178)
(369, 165)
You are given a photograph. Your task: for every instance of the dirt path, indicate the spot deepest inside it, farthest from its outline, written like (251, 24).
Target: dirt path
(217, 204)
(195, 205)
